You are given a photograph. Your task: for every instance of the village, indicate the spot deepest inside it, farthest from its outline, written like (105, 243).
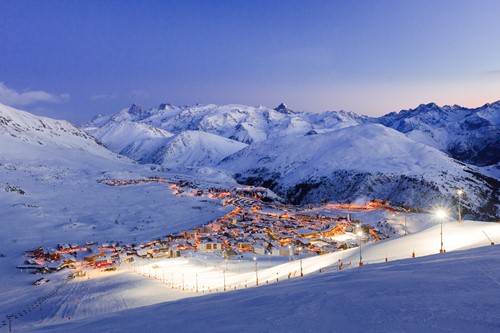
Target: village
(257, 224)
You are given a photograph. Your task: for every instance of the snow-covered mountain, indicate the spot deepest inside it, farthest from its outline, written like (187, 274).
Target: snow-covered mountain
(219, 130)
(19, 127)
(50, 192)
(194, 149)
(307, 157)
(237, 122)
(363, 162)
(136, 140)
(50, 184)
(469, 135)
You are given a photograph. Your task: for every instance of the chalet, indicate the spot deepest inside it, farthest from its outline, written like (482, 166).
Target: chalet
(159, 252)
(302, 241)
(63, 247)
(174, 253)
(190, 234)
(142, 253)
(36, 253)
(125, 258)
(106, 261)
(282, 251)
(56, 266)
(33, 268)
(209, 246)
(92, 257)
(176, 236)
(259, 249)
(245, 247)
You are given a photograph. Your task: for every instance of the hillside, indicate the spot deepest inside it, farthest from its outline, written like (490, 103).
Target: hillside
(57, 185)
(411, 295)
(50, 185)
(361, 163)
(468, 135)
(331, 155)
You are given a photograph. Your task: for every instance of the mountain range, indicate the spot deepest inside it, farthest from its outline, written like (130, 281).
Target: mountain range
(410, 158)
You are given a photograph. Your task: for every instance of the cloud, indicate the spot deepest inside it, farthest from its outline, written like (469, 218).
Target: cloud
(495, 72)
(101, 97)
(11, 97)
(139, 93)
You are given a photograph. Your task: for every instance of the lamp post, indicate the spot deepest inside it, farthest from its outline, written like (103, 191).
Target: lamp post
(256, 272)
(406, 230)
(441, 215)
(460, 193)
(289, 253)
(360, 234)
(300, 259)
(224, 273)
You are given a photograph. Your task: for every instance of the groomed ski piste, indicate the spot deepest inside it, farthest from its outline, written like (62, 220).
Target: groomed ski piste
(405, 284)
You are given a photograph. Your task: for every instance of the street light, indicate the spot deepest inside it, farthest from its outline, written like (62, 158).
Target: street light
(224, 273)
(460, 192)
(256, 272)
(300, 258)
(360, 234)
(441, 215)
(406, 229)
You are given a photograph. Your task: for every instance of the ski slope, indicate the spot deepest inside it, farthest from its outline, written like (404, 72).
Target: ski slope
(456, 291)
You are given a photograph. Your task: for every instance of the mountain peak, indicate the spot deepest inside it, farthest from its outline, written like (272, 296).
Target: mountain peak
(492, 105)
(282, 108)
(428, 106)
(134, 109)
(164, 106)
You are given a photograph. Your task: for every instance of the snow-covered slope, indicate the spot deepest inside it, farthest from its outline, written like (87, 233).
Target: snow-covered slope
(194, 149)
(355, 163)
(469, 135)
(238, 122)
(50, 193)
(454, 291)
(134, 140)
(361, 162)
(17, 126)
(55, 170)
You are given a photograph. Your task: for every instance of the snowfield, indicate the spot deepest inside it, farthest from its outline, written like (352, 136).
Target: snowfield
(455, 291)
(53, 190)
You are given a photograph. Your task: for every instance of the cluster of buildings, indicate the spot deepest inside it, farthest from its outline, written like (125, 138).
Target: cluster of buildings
(256, 224)
(274, 229)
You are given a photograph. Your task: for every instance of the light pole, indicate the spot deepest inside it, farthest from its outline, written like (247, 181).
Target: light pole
(256, 272)
(460, 193)
(224, 273)
(360, 234)
(441, 215)
(406, 230)
(289, 253)
(300, 259)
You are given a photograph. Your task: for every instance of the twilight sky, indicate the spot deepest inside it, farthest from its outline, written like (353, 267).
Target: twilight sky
(74, 59)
